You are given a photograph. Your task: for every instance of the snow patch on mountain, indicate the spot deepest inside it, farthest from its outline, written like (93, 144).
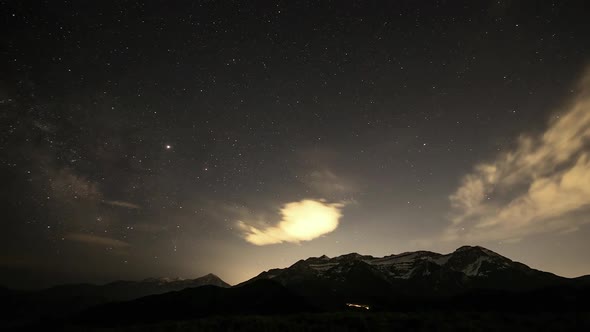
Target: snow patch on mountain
(323, 267)
(474, 269)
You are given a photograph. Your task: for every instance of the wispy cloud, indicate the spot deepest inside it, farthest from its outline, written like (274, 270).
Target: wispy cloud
(92, 239)
(304, 220)
(327, 183)
(535, 187)
(122, 204)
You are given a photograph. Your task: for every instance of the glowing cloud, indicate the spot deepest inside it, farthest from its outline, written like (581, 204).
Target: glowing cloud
(300, 221)
(536, 187)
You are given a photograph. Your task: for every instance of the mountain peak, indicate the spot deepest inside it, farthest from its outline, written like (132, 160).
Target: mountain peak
(481, 249)
(211, 279)
(466, 248)
(208, 279)
(352, 255)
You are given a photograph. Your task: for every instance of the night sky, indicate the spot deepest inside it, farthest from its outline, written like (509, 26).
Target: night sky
(161, 138)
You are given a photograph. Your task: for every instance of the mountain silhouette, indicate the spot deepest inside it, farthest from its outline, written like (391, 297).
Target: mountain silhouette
(471, 278)
(64, 300)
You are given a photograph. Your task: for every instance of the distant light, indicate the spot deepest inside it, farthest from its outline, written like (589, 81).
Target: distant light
(168, 147)
(355, 305)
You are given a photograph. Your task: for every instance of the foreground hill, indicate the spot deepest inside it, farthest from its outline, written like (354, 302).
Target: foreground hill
(258, 297)
(64, 300)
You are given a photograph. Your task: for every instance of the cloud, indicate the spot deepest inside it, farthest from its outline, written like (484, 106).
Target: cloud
(123, 204)
(327, 183)
(300, 221)
(96, 240)
(536, 187)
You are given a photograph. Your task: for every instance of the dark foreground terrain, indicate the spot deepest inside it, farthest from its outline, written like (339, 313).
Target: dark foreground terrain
(361, 321)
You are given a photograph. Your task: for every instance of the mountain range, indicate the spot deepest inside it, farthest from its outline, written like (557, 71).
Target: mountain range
(470, 278)
(412, 273)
